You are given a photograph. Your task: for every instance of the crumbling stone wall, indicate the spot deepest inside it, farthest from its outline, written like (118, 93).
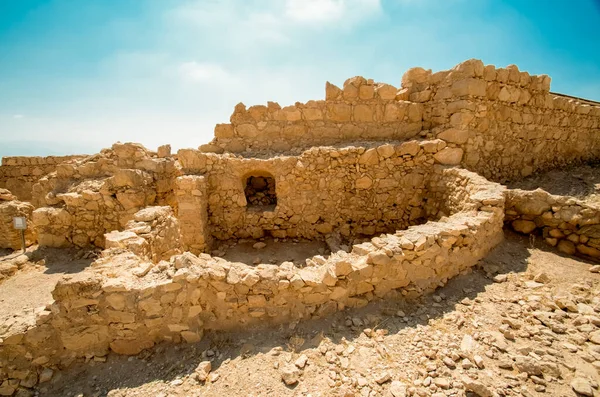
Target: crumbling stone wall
(571, 225)
(362, 110)
(10, 207)
(126, 304)
(353, 190)
(19, 174)
(153, 234)
(83, 200)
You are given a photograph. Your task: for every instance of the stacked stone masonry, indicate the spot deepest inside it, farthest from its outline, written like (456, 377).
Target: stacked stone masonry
(402, 175)
(19, 174)
(126, 303)
(571, 225)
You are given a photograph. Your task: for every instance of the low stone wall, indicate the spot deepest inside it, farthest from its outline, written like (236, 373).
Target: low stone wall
(10, 208)
(125, 304)
(569, 224)
(19, 174)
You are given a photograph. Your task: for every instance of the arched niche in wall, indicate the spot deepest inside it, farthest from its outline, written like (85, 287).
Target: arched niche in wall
(260, 192)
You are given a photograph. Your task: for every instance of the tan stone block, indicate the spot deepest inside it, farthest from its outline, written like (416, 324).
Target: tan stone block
(410, 148)
(339, 111)
(567, 247)
(386, 92)
(393, 112)
(386, 151)
(332, 92)
(312, 114)
(471, 87)
(415, 112)
(369, 157)
(449, 156)
(454, 135)
(363, 113)
(366, 92)
(523, 226)
(416, 75)
(246, 130)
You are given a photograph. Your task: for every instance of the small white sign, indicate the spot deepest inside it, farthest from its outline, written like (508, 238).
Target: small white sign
(20, 222)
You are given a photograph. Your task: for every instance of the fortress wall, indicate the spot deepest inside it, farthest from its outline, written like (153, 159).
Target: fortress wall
(506, 121)
(125, 304)
(360, 111)
(19, 174)
(353, 190)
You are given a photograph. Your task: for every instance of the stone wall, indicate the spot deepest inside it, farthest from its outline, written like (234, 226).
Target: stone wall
(124, 303)
(83, 200)
(19, 174)
(571, 225)
(153, 234)
(501, 122)
(352, 190)
(361, 110)
(506, 121)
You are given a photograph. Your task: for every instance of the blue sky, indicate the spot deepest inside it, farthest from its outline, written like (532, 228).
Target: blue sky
(76, 76)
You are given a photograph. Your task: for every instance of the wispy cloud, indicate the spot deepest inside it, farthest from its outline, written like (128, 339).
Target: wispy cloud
(204, 72)
(18, 116)
(324, 11)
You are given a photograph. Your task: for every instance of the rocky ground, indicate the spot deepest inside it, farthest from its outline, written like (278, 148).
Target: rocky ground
(525, 322)
(582, 182)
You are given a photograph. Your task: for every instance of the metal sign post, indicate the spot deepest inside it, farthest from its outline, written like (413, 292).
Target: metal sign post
(20, 223)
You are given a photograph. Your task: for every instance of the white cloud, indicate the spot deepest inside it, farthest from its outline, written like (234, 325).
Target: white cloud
(18, 116)
(204, 72)
(322, 11)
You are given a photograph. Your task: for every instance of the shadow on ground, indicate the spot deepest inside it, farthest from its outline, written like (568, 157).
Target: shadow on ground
(165, 362)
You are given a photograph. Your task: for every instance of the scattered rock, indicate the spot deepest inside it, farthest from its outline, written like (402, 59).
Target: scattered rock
(582, 386)
(541, 278)
(301, 361)
(202, 370)
(398, 389)
(290, 374)
(259, 245)
(383, 377)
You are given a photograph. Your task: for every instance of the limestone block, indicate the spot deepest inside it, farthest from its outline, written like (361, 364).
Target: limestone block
(471, 87)
(363, 113)
(386, 92)
(332, 92)
(449, 156)
(454, 135)
(523, 226)
(339, 112)
(416, 75)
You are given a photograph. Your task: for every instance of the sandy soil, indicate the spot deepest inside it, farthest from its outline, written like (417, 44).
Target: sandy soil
(274, 252)
(392, 348)
(31, 286)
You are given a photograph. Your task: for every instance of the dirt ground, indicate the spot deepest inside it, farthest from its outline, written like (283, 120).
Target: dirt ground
(274, 251)
(491, 332)
(30, 286)
(582, 182)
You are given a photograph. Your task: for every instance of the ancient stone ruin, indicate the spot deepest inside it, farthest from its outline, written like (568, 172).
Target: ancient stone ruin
(401, 185)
